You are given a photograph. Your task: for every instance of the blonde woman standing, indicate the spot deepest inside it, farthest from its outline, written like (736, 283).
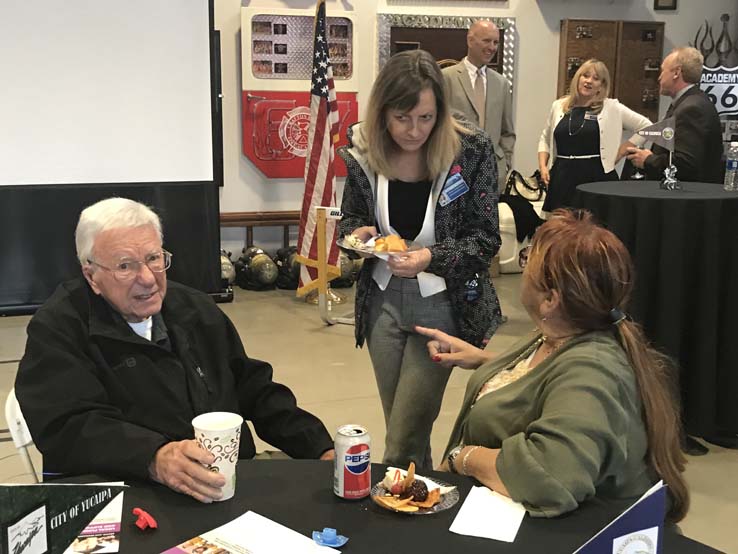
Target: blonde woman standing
(582, 136)
(415, 171)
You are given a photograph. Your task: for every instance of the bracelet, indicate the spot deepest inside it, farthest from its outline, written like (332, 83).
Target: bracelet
(452, 458)
(465, 458)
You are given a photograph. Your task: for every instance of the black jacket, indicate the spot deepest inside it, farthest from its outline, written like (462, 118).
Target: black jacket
(100, 399)
(698, 142)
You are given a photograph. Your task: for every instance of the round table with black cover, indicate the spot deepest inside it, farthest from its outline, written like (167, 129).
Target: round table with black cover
(299, 495)
(684, 246)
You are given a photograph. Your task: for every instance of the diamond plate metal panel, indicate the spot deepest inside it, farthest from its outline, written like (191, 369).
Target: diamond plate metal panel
(282, 46)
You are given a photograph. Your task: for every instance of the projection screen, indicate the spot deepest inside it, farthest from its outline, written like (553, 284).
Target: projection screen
(104, 91)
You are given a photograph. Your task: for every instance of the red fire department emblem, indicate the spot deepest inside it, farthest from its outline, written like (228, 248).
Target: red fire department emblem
(293, 130)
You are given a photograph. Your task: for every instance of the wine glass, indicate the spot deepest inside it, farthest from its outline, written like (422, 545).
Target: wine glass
(637, 176)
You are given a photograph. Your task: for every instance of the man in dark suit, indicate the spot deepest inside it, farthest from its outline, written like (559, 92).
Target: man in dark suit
(698, 142)
(482, 95)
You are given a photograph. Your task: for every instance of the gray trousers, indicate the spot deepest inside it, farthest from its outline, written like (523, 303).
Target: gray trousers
(410, 383)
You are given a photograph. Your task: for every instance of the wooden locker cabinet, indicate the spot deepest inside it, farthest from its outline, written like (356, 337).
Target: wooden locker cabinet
(580, 40)
(639, 53)
(632, 51)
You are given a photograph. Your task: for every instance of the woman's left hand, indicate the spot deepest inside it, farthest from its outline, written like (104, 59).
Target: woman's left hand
(409, 264)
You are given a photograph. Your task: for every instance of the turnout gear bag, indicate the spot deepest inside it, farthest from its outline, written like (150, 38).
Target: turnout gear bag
(255, 270)
(349, 271)
(227, 271)
(288, 270)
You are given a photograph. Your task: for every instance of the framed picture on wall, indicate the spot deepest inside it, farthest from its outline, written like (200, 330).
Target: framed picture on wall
(664, 4)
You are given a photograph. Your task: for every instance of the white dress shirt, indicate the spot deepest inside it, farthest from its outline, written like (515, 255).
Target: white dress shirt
(474, 71)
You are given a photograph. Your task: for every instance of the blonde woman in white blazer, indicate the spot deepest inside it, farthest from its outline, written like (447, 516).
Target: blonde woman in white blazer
(583, 135)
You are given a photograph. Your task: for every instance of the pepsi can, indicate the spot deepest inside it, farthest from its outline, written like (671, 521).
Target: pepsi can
(352, 468)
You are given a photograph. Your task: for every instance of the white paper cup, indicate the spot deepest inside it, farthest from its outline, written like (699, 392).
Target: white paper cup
(220, 434)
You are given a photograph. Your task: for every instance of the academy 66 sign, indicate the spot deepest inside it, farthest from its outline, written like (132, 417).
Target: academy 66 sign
(721, 85)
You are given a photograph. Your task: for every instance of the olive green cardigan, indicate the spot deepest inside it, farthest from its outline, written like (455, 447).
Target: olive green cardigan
(568, 430)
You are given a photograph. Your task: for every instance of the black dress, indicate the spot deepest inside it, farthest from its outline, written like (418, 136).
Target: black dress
(577, 134)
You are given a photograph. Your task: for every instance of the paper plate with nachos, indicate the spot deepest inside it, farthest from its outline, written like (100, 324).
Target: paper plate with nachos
(405, 492)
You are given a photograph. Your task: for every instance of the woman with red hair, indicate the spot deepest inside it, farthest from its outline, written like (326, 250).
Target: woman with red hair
(584, 406)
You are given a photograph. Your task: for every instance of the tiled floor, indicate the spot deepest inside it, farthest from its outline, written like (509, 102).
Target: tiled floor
(334, 380)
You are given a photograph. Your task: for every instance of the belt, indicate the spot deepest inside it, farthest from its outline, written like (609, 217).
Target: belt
(587, 157)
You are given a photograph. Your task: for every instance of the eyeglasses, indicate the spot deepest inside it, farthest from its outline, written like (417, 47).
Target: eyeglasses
(125, 270)
(523, 257)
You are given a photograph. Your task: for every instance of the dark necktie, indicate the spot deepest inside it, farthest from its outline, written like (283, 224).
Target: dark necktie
(670, 111)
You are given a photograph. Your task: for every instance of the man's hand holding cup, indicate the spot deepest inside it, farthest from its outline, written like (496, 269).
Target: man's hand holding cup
(204, 468)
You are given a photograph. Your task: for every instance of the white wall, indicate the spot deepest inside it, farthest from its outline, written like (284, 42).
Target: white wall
(246, 189)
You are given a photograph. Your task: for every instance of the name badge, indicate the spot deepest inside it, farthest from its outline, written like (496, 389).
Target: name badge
(453, 189)
(590, 116)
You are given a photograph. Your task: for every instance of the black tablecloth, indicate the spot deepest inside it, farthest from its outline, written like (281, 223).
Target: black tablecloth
(299, 495)
(685, 252)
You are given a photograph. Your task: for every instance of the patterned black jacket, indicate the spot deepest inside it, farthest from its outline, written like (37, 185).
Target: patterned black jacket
(467, 235)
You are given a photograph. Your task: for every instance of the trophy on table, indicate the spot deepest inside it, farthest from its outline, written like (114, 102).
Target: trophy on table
(670, 181)
(662, 133)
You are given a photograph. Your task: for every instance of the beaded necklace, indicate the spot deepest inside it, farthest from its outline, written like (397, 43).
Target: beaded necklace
(532, 348)
(525, 353)
(544, 339)
(584, 120)
(514, 370)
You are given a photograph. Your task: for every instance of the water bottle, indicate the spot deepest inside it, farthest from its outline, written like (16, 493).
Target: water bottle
(731, 168)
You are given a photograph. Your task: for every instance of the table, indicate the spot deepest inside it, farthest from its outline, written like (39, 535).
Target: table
(685, 250)
(299, 495)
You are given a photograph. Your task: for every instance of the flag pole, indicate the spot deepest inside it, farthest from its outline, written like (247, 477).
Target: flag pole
(322, 135)
(318, 253)
(326, 296)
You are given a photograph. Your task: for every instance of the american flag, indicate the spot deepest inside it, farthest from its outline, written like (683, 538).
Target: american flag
(320, 179)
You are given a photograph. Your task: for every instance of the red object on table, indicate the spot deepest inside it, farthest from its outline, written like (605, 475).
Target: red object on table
(144, 519)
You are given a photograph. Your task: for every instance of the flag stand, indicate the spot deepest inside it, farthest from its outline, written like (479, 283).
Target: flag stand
(325, 294)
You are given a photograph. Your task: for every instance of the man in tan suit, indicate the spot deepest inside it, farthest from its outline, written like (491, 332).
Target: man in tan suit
(482, 95)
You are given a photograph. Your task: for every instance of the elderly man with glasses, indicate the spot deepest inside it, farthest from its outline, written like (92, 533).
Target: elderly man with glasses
(119, 362)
